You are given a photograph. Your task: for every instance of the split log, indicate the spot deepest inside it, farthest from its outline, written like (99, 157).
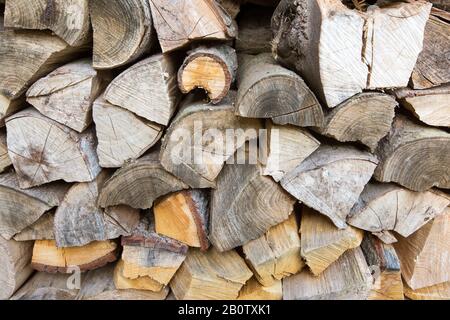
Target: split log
(42, 229)
(443, 4)
(5, 162)
(148, 254)
(341, 51)
(255, 33)
(245, 205)
(35, 148)
(141, 283)
(47, 257)
(9, 106)
(253, 290)
(276, 254)
(28, 56)
(78, 220)
(385, 267)
(366, 117)
(431, 68)
(121, 135)
(287, 146)
(154, 100)
(210, 68)
(210, 275)
(331, 180)
(46, 286)
(123, 31)
(206, 21)
(267, 90)
(437, 292)
(66, 94)
(322, 243)
(139, 183)
(348, 278)
(424, 255)
(21, 208)
(99, 285)
(67, 19)
(184, 216)
(429, 105)
(233, 7)
(198, 141)
(15, 260)
(414, 156)
(383, 208)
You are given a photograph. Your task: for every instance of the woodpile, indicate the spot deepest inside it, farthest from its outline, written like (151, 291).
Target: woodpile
(224, 150)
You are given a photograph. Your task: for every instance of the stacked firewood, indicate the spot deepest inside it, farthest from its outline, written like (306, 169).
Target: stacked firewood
(107, 191)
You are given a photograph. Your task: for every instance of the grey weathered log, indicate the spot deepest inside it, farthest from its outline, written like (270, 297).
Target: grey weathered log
(268, 90)
(154, 100)
(21, 208)
(331, 180)
(5, 162)
(414, 156)
(123, 31)
(245, 205)
(78, 220)
(35, 148)
(365, 117)
(67, 19)
(42, 229)
(139, 183)
(15, 258)
(386, 207)
(197, 143)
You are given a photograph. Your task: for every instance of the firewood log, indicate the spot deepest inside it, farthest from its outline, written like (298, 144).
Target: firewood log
(365, 117)
(9, 106)
(287, 146)
(424, 255)
(386, 207)
(141, 283)
(123, 31)
(210, 275)
(428, 105)
(5, 162)
(340, 51)
(443, 4)
(46, 286)
(148, 254)
(47, 257)
(184, 216)
(21, 208)
(439, 291)
(276, 254)
(268, 90)
(253, 290)
(121, 135)
(348, 278)
(197, 143)
(99, 285)
(67, 19)
(245, 205)
(179, 22)
(331, 180)
(255, 33)
(66, 94)
(322, 243)
(154, 100)
(232, 7)
(42, 229)
(78, 220)
(212, 68)
(414, 156)
(15, 258)
(139, 183)
(385, 267)
(431, 69)
(28, 56)
(35, 146)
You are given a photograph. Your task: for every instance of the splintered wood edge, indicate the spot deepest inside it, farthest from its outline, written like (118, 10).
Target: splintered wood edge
(201, 232)
(215, 98)
(155, 242)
